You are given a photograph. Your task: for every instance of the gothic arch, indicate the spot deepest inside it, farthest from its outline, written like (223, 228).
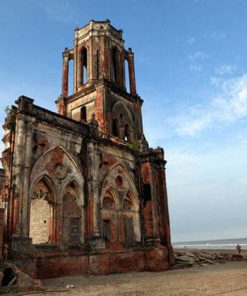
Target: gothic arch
(128, 183)
(124, 117)
(62, 171)
(132, 198)
(111, 192)
(123, 221)
(40, 167)
(120, 108)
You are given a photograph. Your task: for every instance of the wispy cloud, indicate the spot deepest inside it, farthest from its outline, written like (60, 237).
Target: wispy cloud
(217, 35)
(229, 105)
(195, 60)
(61, 11)
(225, 69)
(191, 40)
(198, 55)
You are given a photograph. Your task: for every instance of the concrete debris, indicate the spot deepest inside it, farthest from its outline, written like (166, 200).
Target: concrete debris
(12, 279)
(201, 258)
(70, 287)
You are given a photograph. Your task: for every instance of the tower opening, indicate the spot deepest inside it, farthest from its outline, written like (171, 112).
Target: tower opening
(115, 127)
(115, 64)
(84, 114)
(127, 79)
(70, 77)
(126, 132)
(84, 65)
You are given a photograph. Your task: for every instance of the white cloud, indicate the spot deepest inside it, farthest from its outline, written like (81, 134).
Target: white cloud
(191, 40)
(217, 35)
(195, 60)
(228, 106)
(226, 69)
(198, 55)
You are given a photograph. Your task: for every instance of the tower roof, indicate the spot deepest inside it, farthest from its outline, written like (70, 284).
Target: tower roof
(95, 28)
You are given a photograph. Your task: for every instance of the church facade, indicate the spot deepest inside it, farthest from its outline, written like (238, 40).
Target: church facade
(82, 191)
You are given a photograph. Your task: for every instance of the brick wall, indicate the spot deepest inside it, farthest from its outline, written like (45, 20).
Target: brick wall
(105, 262)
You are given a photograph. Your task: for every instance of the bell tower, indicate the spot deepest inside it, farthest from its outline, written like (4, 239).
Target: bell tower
(100, 69)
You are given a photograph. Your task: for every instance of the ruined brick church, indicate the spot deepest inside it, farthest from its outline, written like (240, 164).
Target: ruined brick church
(81, 191)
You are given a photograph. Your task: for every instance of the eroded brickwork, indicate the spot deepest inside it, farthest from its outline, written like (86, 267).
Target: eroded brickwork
(84, 192)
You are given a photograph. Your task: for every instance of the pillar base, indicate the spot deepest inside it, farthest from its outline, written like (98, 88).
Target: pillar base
(20, 244)
(96, 242)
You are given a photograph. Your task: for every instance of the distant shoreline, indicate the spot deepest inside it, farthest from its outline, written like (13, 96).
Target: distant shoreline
(224, 244)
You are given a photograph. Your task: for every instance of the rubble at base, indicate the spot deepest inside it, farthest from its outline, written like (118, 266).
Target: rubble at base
(190, 258)
(13, 280)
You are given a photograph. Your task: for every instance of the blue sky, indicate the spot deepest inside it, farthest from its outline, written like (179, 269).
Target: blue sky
(191, 71)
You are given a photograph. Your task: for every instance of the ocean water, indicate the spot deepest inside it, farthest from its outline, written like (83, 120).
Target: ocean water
(226, 244)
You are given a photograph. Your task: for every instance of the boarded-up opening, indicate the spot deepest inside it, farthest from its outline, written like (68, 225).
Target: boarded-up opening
(41, 213)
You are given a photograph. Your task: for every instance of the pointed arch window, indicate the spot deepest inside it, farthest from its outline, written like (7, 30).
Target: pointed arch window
(108, 203)
(84, 65)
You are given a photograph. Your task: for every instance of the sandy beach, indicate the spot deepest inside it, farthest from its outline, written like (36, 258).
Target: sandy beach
(219, 279)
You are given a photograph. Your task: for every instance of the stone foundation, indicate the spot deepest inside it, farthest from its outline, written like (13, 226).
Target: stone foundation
(54, 263)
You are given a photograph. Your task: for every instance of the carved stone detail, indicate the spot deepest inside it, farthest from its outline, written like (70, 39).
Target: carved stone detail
(61, 171)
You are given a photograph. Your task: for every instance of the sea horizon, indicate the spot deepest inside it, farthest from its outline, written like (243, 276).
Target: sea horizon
(229, 243)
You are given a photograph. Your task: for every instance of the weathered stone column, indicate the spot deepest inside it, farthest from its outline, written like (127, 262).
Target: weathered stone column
(65, 83)
(132, 79)
(149, 195)
(76, 56)
(26, 180)
(79, 68)
(93, 192)
(61, 106)
(154, 201)
(58, 219)
(21, 165)
(18, 173)
(165, 216)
